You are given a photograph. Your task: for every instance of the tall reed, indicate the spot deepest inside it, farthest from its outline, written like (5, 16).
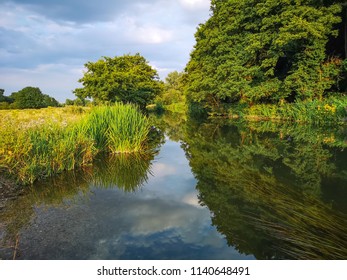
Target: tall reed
(119, 128)
(39, 151)
(43, 151)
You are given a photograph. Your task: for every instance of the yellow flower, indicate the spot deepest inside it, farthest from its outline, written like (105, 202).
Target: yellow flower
(330, 139)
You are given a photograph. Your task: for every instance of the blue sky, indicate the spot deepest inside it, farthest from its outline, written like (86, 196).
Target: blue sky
(46, 43)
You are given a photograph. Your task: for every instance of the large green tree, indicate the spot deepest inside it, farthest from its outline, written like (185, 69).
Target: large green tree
(32, 97)
(127, 78)
(264, 51)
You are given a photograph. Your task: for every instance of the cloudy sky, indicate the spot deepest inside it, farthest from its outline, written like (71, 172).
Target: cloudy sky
(46, 43)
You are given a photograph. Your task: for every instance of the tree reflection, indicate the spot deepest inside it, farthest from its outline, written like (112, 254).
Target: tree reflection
(264, 189)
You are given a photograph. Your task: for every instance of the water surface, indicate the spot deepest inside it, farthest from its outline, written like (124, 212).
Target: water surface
(216, 190)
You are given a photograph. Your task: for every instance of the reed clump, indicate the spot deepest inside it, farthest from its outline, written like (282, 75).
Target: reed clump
(43, 151)
(47, 147)
(118, 129)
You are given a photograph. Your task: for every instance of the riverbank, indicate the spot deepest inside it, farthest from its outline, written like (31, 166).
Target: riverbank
(9, 190)
(34, 147)
(327, 111)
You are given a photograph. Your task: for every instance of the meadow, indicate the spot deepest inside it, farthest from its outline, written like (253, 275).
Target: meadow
(36, 144)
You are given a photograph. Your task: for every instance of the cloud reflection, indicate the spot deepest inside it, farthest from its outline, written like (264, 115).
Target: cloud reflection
(113, 224)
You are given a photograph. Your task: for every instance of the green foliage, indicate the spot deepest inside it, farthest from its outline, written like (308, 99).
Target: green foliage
(3, 98)
(263, 187)
(43, 151)
(32, 98)
(327, 111)
(173, 97)
(343, 82)
(4, 105)
(118, 128)
(79, 101)
(126, 79)
(174, 89)
(31, 153)
(263, 51)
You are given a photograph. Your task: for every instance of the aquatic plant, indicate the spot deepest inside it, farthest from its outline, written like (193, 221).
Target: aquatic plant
(43, 151)
(119, 128)
(128, 130)
(38, 148)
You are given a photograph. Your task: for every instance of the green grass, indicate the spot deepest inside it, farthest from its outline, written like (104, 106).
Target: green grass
(329, 110)
(43, 151)
(128, 131)
(33, 152)
(117, 129)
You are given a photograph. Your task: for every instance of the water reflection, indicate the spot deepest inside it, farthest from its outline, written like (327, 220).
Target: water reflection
(266, 186)
(97, 215)
(126, 171)
(271, 191)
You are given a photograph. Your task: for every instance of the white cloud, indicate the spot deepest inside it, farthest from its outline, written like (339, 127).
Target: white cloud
(161, 170)
(146, 33)
(195, 4)
(162, 31)
(192, 199)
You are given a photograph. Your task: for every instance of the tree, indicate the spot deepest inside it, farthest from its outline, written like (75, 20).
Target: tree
(4, 98)
(2, 91)
(77, 102)
(127, 79)
(32, 97)
(264, 51)
(49, 101)
(173, 89)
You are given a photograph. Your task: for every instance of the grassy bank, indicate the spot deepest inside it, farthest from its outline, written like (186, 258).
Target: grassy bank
(330, 110)
(36, 144)
(180, 108)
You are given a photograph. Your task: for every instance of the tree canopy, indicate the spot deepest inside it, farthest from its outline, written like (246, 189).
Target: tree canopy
(173, 89)
(266, 51)
(32, 97)
(27, 98)
(4, 98)
(127, 79)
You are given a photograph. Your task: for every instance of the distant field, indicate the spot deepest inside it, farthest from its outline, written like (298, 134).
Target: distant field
(24, 119)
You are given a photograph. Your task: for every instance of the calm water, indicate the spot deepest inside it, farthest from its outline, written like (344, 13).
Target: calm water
(215, 190)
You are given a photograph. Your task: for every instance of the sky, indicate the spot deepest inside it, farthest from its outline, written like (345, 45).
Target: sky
(45, 44)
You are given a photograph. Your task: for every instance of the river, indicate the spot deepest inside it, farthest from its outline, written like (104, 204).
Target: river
(212, 190)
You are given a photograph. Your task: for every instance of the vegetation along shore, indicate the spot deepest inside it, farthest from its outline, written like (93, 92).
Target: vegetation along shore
(252, 60)
(39, 143)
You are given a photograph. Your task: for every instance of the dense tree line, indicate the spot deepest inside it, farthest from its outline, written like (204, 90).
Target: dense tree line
(27, 98)
(269, 51)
